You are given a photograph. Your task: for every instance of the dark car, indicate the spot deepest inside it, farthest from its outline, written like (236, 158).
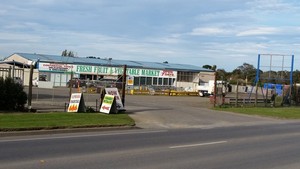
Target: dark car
(76, 83)
(109, 83)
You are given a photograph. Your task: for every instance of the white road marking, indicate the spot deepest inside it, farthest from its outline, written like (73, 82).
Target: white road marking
(200, 144)
(44, 137)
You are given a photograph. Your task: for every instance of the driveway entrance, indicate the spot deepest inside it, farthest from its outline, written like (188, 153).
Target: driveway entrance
(184, 112)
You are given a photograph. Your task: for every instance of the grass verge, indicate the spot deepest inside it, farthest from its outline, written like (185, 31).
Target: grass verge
(38, 121)
(277, 112)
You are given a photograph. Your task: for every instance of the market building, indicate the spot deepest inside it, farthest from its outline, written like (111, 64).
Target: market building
(55, 71)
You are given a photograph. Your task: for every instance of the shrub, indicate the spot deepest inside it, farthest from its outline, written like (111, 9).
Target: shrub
(90, 110)
(12, 95)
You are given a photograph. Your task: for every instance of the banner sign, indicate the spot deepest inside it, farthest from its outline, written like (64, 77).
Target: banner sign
(107, 103)
(55, 67)
(105, 70)
(115, 92)
(74, 102)
(129, 71)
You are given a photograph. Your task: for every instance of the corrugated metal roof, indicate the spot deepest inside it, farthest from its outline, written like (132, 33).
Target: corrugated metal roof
(112, 62)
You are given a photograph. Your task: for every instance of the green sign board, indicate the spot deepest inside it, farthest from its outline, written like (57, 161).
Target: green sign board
(105, 70)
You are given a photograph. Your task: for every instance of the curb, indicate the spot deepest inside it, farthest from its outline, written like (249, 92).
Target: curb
(62, 131)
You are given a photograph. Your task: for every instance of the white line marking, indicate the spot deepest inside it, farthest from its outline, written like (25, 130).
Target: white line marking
(201, 144)
(76, 135)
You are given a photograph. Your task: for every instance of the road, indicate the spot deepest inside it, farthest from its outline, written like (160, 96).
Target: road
(272, 146)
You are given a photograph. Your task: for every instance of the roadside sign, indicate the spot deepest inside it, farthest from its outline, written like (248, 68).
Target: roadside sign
(107, 103)
(114, 91)
(76, 103)
(130, 80)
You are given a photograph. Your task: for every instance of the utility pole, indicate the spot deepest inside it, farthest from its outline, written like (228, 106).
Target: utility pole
(71, 85)
(215, 89)
(124, 85)
(30, 88)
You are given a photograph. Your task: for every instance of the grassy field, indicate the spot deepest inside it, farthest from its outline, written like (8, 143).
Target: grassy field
(35, 121)
(278, 112)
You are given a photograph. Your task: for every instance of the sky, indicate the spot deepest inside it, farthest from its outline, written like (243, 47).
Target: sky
(225, 33)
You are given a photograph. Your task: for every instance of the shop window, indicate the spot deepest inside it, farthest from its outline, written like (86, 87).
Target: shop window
(185, 76)
(155, 81)
(160, 81)
(43, 77)
(171, 81)
(136, 81)
(166, 82)
(143, 81)
(149, 81)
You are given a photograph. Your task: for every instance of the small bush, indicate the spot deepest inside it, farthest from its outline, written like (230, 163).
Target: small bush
(12, 95)
(90, 110)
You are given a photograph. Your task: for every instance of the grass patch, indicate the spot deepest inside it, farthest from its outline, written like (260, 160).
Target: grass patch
(277, 112)
(27, 121)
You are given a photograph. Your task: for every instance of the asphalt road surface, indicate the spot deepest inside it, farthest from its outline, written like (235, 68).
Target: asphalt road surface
(272, 146)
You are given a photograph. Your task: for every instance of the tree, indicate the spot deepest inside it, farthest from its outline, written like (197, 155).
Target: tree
(67, 53)
(246, 72)
(222, 74)
(206, 67)
(296, 76)
(12, 95)
(213, 67)
(64, 53)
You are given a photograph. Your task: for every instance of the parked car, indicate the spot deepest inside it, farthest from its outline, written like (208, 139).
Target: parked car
(76, 83)
(109, 83)
(18, 80)
(35, 82)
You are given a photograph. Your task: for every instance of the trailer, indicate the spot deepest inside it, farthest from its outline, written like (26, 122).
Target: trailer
(207, 88)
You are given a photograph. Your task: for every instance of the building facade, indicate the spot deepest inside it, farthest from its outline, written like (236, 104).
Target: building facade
(55, 71)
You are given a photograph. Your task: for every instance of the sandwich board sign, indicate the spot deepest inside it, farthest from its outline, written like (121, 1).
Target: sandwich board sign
(114, 91)
(107, 105)
(76, 103)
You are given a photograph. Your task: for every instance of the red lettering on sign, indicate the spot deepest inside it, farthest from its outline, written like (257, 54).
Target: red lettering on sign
(167, 73)
(105, 108)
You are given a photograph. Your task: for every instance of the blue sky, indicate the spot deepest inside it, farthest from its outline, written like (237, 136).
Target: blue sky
(226, 33)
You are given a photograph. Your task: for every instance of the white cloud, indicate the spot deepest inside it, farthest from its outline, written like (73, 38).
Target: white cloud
(272, 5)
(165, 40)
(206, 31)
(232, 16)
(259, 31)
(20, 37)
(42, 2)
